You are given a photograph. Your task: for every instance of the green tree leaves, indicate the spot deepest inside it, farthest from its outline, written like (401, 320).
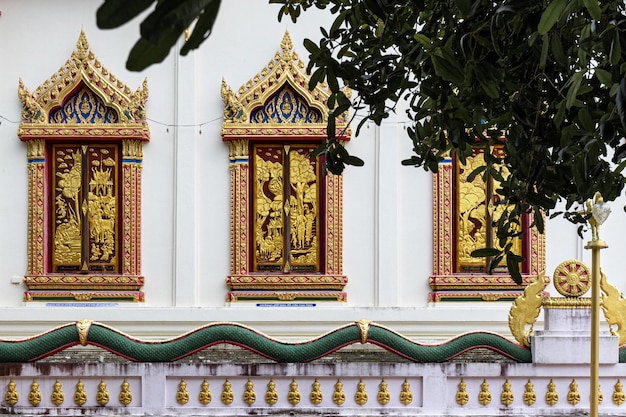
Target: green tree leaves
(162, 28)
(550, 75)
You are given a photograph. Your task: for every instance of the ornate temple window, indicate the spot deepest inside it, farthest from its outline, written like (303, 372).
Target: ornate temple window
(286, 217)
(463, 214)
(85, 131)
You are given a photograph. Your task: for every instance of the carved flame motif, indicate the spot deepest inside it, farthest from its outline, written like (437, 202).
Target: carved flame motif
(614, 307)
(525, 310)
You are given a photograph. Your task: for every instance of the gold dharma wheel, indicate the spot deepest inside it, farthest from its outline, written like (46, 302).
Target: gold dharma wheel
(572, 278)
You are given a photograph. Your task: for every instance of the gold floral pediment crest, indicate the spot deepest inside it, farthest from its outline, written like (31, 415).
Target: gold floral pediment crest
(84, 74)
(278, 96)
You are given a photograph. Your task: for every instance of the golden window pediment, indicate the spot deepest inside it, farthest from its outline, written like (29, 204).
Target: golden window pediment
(85, 131)
(83, 69)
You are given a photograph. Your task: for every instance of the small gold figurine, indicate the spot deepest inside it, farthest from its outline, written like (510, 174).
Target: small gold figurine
(406, 396)
(34, 396)
(507, 397)
(125, 397)
(383, 396)
(573, 396)
(12, 395)
(294, 395)
(529, 394)
(271, 395)
(57, 396)
(316, 396)
(484, 396)
(80, 396)
(102, 397)
(227, 396)
(462, 396)
(600, 396)
(552, 397)
(618, 395)
(249, 396)
(205, 395)
(360, 397)
(182, 395)
(339, 396)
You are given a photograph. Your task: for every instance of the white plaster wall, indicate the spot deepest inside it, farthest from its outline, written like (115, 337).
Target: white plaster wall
(185, 202)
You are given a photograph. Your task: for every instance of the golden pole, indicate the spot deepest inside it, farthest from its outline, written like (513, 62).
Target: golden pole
(594, 385)
(599, 211)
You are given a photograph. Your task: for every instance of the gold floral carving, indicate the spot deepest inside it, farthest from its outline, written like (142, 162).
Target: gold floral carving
(83, 67)
(525, 310)
(406, 396)
(12, 396)
(286, 296)
(102, 396)
(614, 307)
(34, 396)
(567, 302)
(82, 327)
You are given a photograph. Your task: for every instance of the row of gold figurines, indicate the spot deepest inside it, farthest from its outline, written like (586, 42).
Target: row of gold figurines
(530, 396)
(294, 397)
(58, 397)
